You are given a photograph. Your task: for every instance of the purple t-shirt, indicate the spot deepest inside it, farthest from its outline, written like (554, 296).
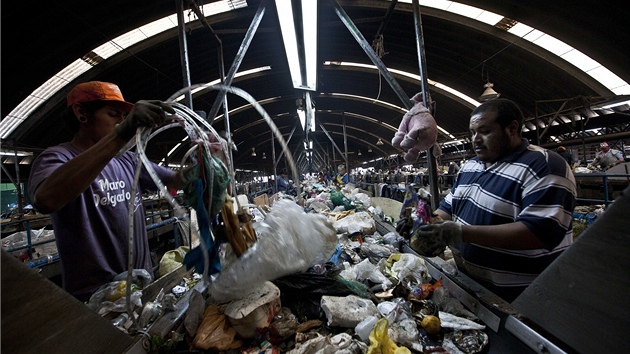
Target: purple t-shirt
(92, 231)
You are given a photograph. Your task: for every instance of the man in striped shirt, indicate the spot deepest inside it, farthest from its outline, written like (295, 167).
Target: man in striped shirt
(509, 213)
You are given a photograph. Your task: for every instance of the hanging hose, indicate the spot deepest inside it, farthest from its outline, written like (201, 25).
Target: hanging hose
(246, 96)
(192, 123)
(130, 253)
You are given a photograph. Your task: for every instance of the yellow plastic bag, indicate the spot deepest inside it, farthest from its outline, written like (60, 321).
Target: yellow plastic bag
(215, 331)
(380, 343)
(172, 260)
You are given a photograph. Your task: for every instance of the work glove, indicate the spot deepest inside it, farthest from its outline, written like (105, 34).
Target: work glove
(404, 226)
(143, 114)
(431, 240)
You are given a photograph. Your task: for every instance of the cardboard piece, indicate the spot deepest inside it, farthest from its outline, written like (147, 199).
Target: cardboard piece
(262, 200)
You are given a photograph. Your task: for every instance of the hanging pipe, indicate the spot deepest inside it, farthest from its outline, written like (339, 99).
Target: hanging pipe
(183, 47)
(432, 162)
(273, 159)
(345, 142)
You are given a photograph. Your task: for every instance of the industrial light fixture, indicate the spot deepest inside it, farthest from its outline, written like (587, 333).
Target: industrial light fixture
(253, 152)
(302, 115)
(310, 112)
(369, 149)
(26, 160)
(15, 153)
(359, 153)
(489, 93)
(300, 43)
(305, 112)
(379, 142)
(264, 157)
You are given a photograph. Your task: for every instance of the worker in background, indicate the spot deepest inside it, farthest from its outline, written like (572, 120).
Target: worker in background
(509, 213)
(325, 176)
(606, 157)
(284, 184)
(566, 155)
(453, 169)
(342, 175)
(86, 187)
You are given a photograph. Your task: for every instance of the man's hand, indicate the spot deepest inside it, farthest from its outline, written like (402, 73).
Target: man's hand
(144, 114)
(431, 240)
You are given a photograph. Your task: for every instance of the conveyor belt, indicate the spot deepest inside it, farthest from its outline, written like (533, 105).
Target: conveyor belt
(507, 332)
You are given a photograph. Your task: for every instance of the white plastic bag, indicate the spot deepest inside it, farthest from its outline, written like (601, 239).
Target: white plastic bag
(289, 241)
(367, 271)
(357, 222)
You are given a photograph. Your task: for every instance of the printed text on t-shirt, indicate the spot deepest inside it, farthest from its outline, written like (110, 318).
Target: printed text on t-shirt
(115, 193)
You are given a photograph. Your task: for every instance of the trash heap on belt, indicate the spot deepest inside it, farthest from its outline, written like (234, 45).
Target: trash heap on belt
(321, 279)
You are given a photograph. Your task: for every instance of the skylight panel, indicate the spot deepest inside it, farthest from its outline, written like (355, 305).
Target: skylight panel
(22, 111)
(520, 29)
(581, 61)
(107, 49)
(553, 45)
(104, 51)
(248, 105)
(130, 38)
(386, 104)
(576, 58)
(533, 35)
(458, 94)
(369, 99)
(489, 18)
(49, 88)
(205, 86)
(464, 10)
(437, 4)
(606, 77)
(41, 94)
(452, 91)
(446, 132)
(8, 124)
(622, 90)
(159, 26)
(73, 70)
(370, 119)
(214, 8)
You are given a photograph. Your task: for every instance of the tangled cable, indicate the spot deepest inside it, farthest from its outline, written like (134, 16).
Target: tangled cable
(197, 130)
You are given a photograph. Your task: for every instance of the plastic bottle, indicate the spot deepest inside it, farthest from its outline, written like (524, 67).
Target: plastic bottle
(365, 327)
(120, 320)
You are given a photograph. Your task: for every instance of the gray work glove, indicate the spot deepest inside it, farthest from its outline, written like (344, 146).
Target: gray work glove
(143, 114)
(431, 240)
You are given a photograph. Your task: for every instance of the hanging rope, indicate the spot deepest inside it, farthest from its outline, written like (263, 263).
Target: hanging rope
(379, 49)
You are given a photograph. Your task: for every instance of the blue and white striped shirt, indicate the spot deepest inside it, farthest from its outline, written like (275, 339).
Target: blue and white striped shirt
(531, 185)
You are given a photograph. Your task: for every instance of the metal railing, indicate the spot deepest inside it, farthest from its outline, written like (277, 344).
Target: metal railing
(606, 179)
(29, 243)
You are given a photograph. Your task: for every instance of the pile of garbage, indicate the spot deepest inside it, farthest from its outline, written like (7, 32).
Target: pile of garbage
(321, 279)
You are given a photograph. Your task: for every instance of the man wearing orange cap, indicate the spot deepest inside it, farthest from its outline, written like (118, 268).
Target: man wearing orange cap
(607, 157)
(86, 187)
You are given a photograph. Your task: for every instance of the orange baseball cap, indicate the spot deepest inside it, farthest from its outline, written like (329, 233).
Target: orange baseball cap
(97, 91)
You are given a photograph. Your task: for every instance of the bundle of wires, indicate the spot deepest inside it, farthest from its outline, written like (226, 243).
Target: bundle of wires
(204, 193)
(207, 253)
